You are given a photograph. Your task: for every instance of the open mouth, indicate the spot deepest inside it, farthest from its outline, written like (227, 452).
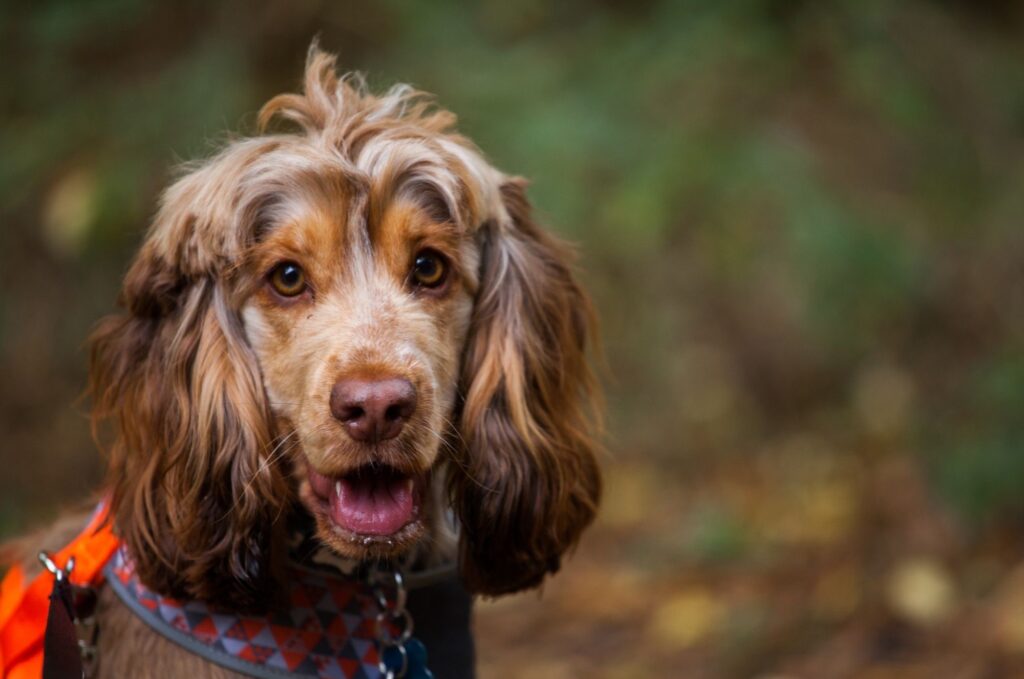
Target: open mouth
(370, 500)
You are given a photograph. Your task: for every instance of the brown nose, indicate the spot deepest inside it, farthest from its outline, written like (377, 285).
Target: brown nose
(373, 410)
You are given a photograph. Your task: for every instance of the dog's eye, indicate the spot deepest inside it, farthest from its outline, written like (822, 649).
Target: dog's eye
(288, 279)
(429, 270)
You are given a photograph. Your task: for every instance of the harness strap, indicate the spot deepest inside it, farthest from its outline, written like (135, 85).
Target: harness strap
(61, 655)
(24, 605)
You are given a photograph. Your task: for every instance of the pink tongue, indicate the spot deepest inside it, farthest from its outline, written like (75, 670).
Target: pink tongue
(372, 506)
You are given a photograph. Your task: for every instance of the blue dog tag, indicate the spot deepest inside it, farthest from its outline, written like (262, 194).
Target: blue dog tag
(417, 655)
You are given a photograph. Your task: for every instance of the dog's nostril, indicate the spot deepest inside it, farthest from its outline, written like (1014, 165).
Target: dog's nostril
(373, 410)
(353, 413)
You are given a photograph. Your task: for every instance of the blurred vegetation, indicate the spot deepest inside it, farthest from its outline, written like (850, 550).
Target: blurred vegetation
(802, 223)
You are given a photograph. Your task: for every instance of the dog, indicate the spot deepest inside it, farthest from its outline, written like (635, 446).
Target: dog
(352, 318)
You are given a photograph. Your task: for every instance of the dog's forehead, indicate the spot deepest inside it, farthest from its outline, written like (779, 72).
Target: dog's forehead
(334, 215)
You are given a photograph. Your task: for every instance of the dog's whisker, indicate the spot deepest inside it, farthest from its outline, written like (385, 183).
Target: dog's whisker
(442, 440)
(455, 430)
(270, 459)
(453, 456)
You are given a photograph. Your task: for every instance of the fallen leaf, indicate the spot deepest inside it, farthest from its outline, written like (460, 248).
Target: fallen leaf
(921, 591)
(70, 210)
(687, 618)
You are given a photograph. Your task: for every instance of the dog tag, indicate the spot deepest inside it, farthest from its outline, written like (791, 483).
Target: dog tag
(416, 653)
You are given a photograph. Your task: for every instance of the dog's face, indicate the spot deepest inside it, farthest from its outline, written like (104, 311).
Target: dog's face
(360, 304)
(360, 319)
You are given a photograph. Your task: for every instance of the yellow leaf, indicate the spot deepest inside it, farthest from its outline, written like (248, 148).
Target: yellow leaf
(70, 210)
(921, 591)
(687, 618)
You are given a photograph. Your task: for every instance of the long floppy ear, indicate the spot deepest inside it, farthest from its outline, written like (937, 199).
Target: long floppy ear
(527, 482)
(194, 495)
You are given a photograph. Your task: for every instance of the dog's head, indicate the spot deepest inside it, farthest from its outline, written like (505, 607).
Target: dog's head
(360, 316)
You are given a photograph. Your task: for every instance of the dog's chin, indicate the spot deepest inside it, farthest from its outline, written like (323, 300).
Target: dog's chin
(371, 512)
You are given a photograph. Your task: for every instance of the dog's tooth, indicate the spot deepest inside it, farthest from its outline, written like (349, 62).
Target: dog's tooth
(408, 483)
(337, 488)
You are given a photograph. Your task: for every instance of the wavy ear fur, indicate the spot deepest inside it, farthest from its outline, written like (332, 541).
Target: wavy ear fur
(193, 494)
(527, 482)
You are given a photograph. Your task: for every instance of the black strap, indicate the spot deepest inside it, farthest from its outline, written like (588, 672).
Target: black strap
(443, 613)
(61, 656)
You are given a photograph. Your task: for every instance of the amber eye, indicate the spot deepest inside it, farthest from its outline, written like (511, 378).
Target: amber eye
(288, 279)
(429, 269)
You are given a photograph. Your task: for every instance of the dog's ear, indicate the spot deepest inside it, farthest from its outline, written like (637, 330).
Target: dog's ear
(527, 482)
(194, 493)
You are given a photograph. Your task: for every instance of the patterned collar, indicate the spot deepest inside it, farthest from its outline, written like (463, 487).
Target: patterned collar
(329, 630)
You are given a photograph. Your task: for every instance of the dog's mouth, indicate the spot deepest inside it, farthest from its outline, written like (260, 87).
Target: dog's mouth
(372, 500)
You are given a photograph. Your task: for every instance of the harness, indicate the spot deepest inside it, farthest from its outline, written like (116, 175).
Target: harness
(335, 627)
(26, 606)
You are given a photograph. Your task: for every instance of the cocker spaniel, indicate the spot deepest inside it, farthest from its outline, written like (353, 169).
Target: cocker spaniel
(356, 319)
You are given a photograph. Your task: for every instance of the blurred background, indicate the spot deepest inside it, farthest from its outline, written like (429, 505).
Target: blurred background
(802, 224)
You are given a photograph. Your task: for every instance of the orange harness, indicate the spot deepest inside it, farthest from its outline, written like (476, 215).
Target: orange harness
(24, 605)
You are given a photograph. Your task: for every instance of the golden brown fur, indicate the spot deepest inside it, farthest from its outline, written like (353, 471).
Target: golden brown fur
(210, 390)
(128, 647)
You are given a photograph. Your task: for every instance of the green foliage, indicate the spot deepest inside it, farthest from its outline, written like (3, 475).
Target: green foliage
(979, 467)
(716, 535)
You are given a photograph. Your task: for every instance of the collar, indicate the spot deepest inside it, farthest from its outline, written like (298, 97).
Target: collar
(332, 628)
